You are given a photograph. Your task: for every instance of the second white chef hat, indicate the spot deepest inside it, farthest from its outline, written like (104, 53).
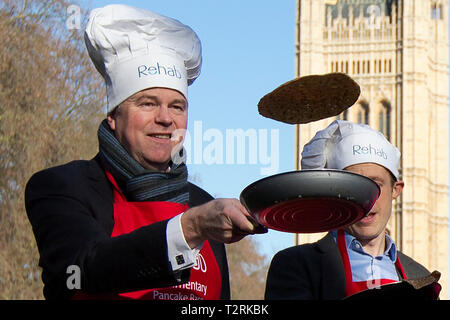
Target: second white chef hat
(344, 143)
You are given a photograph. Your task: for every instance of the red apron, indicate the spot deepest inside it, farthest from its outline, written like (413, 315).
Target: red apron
(205, 281)
(352, 287)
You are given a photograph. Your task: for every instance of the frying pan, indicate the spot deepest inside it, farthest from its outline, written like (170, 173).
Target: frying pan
(309, 201)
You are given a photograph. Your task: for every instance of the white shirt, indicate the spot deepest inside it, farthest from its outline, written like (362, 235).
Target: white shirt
(181, 256)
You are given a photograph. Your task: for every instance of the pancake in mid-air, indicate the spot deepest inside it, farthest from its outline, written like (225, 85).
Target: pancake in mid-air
(310, 98)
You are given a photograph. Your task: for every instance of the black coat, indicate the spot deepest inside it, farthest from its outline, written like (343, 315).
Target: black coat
(315, 272)
(70, 208)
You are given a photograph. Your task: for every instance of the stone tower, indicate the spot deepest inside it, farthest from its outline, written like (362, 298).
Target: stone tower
(397, 50)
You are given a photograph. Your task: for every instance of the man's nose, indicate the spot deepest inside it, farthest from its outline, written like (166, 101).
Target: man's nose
(163, 116)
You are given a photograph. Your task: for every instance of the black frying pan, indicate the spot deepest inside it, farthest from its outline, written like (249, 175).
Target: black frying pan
(309, 201)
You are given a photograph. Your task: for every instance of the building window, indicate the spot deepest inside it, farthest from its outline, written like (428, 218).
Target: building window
(343, 115)
(436, 12)
(362, 113)
(384, 119)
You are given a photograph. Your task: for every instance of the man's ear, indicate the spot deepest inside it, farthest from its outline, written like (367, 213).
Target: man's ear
(397, 189)
(111, 118)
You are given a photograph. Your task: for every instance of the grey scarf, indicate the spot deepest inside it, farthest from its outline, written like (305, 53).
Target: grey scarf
(136, 182)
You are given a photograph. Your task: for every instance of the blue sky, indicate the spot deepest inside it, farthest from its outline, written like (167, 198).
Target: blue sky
(248, 50)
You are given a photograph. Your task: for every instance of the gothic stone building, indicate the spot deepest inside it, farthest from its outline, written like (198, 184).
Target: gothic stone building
(397, 50)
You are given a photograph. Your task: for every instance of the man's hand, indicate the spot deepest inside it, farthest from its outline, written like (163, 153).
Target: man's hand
(222, 220)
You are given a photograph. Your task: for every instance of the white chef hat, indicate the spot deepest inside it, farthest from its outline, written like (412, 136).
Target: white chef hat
(135, 49)
(344, 143)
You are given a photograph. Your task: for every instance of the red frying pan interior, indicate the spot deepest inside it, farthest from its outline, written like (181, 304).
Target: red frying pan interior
(310, 215)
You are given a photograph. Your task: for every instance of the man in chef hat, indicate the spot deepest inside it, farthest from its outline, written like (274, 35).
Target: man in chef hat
(128, 224)
(361, 256)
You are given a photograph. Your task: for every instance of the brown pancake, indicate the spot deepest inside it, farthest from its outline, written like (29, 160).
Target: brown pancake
(310, 98)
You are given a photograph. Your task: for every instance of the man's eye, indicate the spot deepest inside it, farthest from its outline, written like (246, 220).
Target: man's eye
(178, 108)
(148, 104)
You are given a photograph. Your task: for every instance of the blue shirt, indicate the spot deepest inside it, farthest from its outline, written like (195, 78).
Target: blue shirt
(364, 266)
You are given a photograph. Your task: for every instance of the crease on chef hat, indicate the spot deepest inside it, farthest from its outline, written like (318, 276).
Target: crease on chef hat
(314, 154)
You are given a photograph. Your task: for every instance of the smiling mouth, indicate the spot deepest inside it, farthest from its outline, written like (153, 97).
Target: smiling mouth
(161, 136)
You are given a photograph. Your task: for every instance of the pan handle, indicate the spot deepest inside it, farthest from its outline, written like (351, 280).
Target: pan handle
(259, 228)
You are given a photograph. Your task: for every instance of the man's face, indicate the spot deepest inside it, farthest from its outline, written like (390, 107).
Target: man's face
(145, 123)
(374, 224)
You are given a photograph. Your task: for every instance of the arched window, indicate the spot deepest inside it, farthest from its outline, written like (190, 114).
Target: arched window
(437, 12)
(343, 115)
(384, 119)
(362, 112)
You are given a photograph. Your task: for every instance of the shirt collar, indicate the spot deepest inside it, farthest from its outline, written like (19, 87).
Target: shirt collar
(391, 248)
(353, 244)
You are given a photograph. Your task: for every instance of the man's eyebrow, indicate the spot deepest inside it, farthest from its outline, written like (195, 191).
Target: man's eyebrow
(143, 96)
(138, 98)
(180, 101)
(377, 179)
